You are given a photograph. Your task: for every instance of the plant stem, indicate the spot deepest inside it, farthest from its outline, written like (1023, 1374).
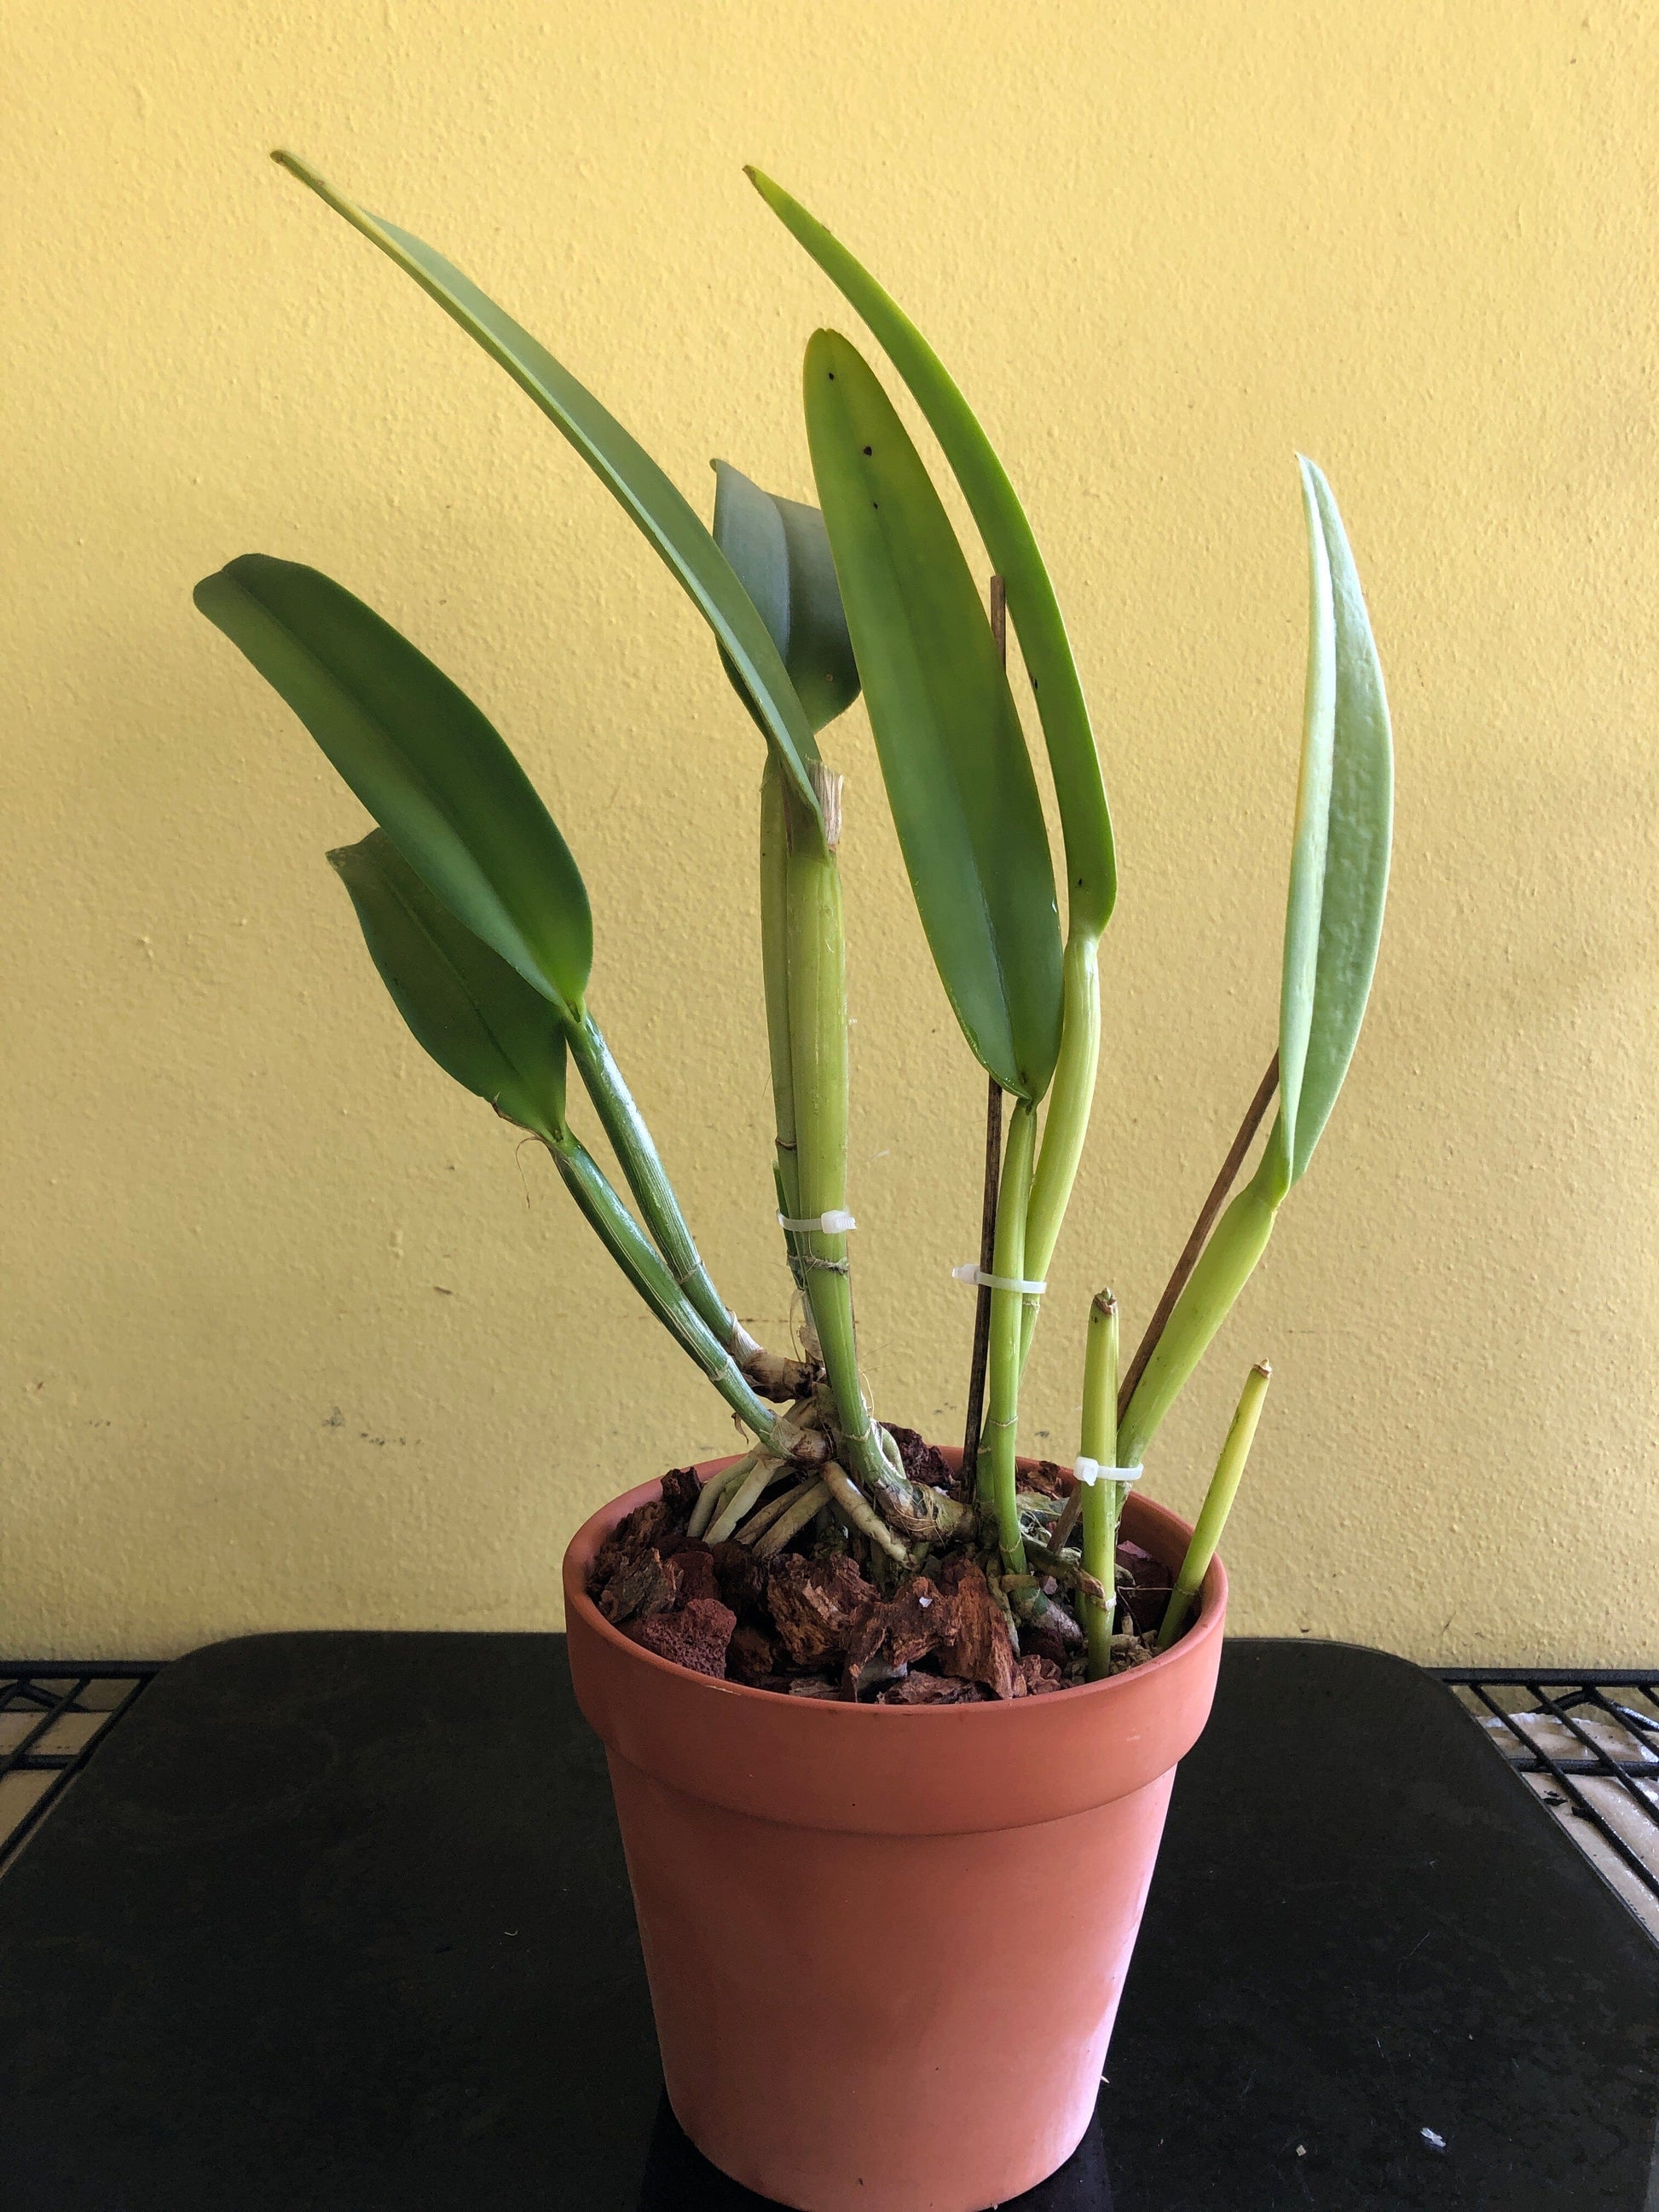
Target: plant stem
(815, 945)
(804, 958)
(1217, 1502)
(1224, 1267)
(774, 970)
(998, 1479)
(973, 1424)
(642, 1264)
(647, 1179)
(1065, 1125)
(988, 1230)
(1189, 1251)
(1102, 1501)
(641, 1164)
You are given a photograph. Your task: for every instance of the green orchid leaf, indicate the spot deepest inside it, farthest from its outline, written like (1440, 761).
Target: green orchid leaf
(952, 753)
(1339, 881)
(1307, 849)
(478, 1018)
(1209, 1295)
(1085, 821)
(435, 775)
(1340, 854)
(781, 551)
(1358, 833)
(659, 509)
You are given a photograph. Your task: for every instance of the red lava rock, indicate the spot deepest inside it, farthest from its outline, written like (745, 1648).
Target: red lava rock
(981, 1649)
(693, 1570)
(932, 1690)
(815, 1604)
(696, 1637)
(751, 1657)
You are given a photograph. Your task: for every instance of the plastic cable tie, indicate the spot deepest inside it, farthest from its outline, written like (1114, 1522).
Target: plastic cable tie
(1090, 1470)
(971, 1272)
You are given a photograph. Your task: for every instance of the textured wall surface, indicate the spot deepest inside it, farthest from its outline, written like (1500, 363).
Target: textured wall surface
(290, 1331)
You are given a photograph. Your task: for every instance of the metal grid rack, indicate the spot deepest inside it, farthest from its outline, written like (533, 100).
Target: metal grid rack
(1586, 1740)
(53, 1711)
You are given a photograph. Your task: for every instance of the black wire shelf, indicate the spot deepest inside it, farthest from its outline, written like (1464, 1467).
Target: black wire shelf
(53, 1714)
(1586, 1739)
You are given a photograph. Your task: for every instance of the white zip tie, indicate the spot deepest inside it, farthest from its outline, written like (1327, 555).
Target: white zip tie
(1090, 1470)
(969, 1272)
(834, 1224)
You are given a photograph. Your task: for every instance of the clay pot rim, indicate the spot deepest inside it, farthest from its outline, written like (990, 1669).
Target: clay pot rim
(1201, 1631)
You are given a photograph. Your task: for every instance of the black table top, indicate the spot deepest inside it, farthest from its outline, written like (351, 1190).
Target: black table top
(340, 1923)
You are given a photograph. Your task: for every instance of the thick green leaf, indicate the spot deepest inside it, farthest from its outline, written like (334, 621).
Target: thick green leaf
(1313, 809)
(1357, 839)
(661, 510)
(1340, 857)
(781, 551)
(952, 752)
(432, 771)
(478, 1018)
(1091, 863)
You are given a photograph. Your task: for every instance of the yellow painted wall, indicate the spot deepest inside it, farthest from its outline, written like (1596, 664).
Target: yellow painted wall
(289, 1336)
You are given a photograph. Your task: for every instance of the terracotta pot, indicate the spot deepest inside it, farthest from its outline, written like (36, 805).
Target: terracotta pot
(886, 1943)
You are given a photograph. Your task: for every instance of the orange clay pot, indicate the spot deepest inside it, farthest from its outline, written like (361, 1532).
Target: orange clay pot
(886, 1944)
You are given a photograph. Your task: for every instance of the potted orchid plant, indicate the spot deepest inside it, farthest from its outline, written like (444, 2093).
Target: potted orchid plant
(891, 1725)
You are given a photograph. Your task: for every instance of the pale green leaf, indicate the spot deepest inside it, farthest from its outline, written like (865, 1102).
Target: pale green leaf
(1357, 839)
(1313, 807)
